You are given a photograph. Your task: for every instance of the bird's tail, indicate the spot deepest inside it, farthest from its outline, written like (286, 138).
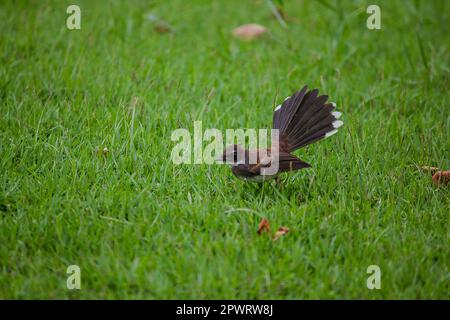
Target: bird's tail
(304, 118)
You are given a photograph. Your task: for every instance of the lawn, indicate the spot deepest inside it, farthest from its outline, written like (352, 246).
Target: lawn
(141, 227)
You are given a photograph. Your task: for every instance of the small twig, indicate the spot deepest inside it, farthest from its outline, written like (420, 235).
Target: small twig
(241, 209)
(133, 111)
(115, 220)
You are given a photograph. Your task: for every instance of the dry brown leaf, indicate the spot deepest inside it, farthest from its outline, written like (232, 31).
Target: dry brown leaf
(101, 152)
(280, 232)
(162, 27)
(441, 177)
(249, 31)
(263, 226)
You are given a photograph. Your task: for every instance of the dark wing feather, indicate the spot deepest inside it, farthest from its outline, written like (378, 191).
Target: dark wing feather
(289, 162)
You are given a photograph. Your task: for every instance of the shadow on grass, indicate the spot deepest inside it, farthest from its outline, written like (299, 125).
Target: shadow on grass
(281, 190)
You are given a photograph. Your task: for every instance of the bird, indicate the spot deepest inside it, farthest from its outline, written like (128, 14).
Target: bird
(303, 118)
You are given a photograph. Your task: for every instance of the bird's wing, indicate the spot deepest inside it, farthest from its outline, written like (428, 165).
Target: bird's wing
(289, 162)
(286, 162)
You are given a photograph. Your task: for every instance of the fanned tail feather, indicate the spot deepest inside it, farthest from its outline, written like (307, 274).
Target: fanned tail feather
(305, 118)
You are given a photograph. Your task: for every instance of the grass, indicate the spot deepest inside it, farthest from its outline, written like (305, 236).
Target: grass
(141, 227)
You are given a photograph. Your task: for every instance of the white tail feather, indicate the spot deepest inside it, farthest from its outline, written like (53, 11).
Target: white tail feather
(336, 124)
(336, 114)
(329, 134)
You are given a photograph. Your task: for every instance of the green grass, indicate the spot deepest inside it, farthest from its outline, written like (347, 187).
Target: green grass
(141, 227)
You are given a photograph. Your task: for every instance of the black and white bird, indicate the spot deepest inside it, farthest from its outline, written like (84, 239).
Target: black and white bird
(302, 119)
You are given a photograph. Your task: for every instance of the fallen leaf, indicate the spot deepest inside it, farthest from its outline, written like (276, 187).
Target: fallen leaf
(280, 232)
(263, 226)
(162, 27)
(441, 177)
(101, 152)
(249, 31)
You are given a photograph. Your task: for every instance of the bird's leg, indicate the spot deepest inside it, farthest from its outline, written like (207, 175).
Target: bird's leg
(279, 183)
(256, 187)
(260, 186)
(263, 189)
